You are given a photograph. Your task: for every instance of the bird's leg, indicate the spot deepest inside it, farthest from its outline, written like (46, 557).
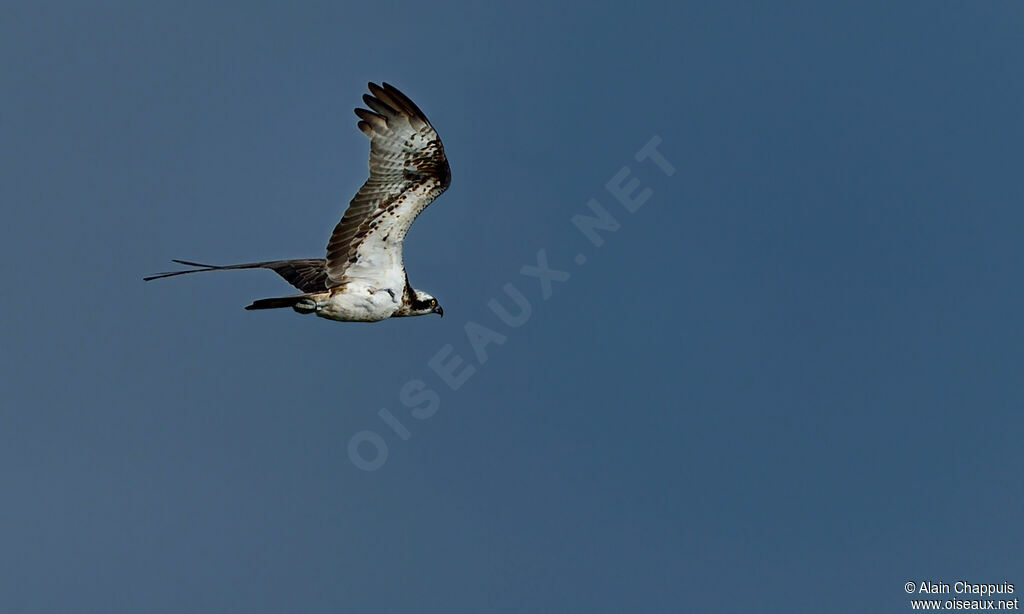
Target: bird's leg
(306, 305)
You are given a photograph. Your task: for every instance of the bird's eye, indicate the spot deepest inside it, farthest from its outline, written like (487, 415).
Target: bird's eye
(433, 302)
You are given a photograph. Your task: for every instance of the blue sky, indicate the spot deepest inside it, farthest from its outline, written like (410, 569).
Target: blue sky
(790, 381)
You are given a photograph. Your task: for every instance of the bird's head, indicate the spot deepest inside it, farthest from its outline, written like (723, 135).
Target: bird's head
(421, 304)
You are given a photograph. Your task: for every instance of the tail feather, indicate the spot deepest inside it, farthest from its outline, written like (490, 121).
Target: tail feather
(299, 302)
(303, 274)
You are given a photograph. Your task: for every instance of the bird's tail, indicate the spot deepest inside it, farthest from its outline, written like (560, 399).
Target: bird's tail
(303, 303)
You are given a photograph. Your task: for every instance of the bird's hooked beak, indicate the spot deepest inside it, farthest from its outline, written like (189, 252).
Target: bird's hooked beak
(439, 311)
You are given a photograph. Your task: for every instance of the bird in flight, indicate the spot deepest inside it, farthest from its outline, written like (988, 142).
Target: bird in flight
(363, 278)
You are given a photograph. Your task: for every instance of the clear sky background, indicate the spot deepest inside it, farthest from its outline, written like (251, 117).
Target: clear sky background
(791, 381)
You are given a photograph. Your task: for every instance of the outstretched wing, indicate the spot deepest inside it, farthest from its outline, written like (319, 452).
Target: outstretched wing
(408, 170)
(308, 274)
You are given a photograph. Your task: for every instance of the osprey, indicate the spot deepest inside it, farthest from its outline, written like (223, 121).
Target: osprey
(363, 278)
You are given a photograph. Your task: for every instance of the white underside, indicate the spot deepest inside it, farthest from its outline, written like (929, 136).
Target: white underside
(360, 302)
(371, 287)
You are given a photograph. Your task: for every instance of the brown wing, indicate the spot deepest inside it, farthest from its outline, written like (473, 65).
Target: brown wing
(408, 170)
(308, 274)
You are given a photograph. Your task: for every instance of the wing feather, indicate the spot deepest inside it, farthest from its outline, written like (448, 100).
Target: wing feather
(306, 274)
(408, 170)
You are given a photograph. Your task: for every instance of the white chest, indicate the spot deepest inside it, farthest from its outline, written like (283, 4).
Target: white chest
(360, 303)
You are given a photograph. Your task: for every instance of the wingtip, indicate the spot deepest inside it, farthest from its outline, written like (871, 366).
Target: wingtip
(200, 267)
